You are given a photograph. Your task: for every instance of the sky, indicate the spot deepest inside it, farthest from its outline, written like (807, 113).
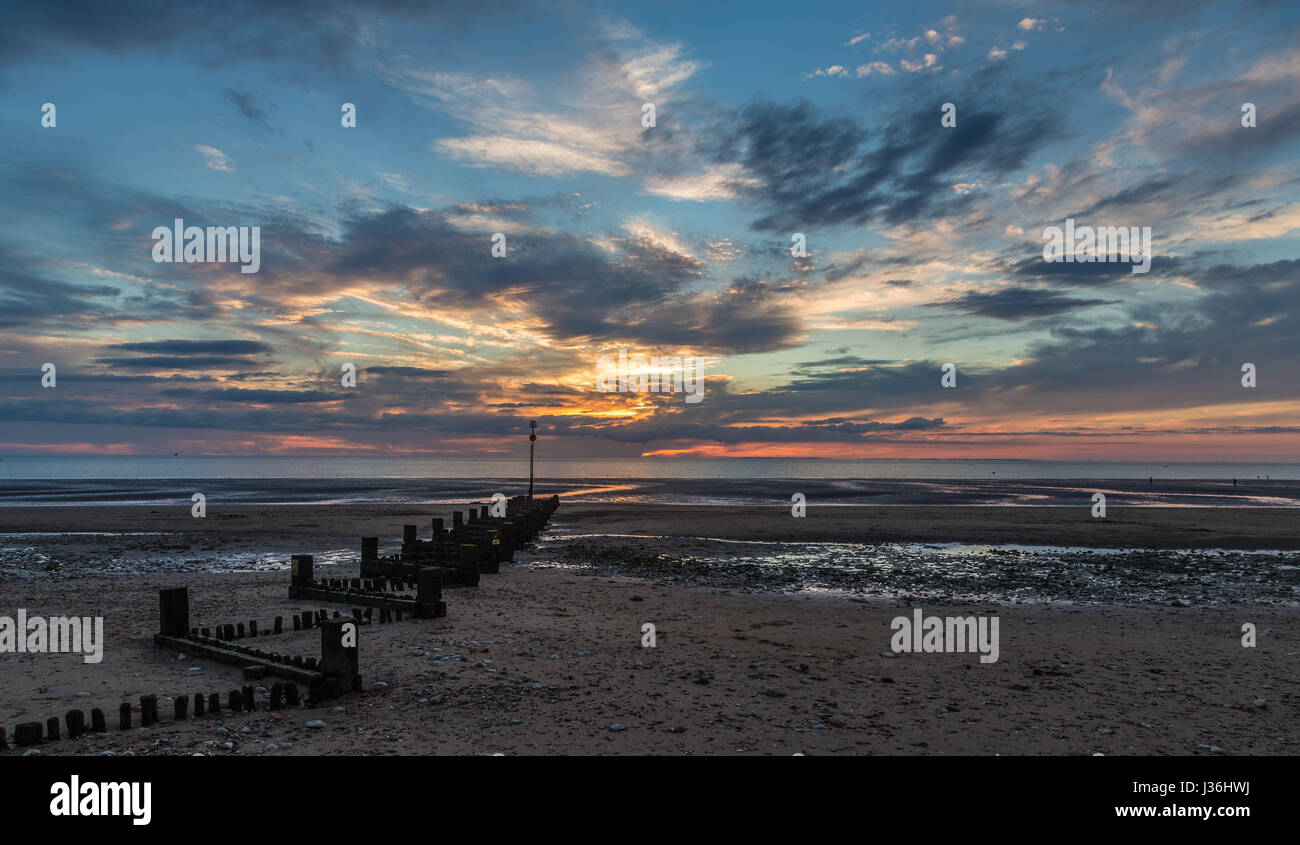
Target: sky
(923, 241)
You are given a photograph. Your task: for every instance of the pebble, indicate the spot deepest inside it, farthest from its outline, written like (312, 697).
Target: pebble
(315, 723)
(773, 692)
(616, 727)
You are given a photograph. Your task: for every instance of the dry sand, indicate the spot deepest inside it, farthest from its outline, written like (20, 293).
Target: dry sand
(549, 660)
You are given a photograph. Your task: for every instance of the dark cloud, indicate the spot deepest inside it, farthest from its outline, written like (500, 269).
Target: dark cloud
(1093, 272)
(197, 347)
(259, 396)
(579, 290)
(819, 170)
(149, 362)
(248, 107)
(1018, 303)
(325, 35)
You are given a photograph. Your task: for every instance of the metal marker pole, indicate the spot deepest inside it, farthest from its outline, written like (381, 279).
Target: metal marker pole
(532, 438)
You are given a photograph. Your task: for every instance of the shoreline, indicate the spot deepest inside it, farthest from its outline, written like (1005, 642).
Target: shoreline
(538, 661)
(1040, 525)
(547, 658)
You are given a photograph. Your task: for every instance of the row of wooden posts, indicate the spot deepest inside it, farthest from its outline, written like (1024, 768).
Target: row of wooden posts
(476, 543)
(281, 695)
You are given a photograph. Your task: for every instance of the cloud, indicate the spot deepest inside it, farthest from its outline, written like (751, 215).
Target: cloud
(248, 107)
(1018, 303)
(540, 128)
(196, 347)
(215, 159)
(535, 157)
(715, 182)
(812, 170)
(875, 67)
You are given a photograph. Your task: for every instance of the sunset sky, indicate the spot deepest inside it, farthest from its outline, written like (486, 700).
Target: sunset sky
(925, 243)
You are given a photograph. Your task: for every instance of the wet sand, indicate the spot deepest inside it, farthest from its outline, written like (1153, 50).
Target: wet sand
(1165, 528)
(547, 658)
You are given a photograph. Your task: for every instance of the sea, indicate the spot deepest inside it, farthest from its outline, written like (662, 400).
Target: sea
(32, 480)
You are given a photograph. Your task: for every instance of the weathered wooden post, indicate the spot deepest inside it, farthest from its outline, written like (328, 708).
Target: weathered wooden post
(27, 733)
(428, 594)
(302, 570)
(174, 612)
(338, 650)
(76, 723)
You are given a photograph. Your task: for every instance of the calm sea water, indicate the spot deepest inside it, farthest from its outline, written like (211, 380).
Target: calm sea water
(170, 480)
(182, 466)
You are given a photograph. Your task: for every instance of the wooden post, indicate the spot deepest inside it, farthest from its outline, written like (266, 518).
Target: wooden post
(174, 611)
(338, 649)
(302, 569)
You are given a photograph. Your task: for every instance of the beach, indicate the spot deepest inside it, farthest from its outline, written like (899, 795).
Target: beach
(754, 657)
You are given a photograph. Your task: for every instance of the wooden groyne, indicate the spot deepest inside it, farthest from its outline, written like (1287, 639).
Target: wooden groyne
(476, 543)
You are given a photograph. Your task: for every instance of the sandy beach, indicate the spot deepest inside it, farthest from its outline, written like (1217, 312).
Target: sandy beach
(546, 657)
(1157, 527)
